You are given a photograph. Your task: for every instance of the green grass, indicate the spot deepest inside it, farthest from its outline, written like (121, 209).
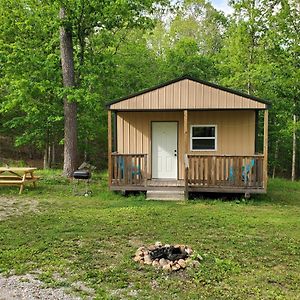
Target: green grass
(251, 249)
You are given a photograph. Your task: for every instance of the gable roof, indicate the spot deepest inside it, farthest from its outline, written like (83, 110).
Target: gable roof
(187, 92)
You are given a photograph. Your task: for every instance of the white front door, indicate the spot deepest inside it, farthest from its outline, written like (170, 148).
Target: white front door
(164, 150)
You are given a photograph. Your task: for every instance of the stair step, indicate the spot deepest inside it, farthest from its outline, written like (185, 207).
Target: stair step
(165, 195)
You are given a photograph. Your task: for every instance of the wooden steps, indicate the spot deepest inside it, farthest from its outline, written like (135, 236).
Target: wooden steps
(168, 195)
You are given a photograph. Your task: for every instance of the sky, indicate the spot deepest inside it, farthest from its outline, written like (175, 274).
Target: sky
(222, 5)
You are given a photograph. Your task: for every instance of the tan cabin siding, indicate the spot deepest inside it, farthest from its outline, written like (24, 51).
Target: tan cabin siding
(235, 132)
(187, 94)
(134, 132)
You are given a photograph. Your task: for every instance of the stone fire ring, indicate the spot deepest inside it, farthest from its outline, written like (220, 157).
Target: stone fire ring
(167, 257)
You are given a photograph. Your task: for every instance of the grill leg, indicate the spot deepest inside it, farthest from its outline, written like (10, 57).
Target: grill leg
(76, 186)
(88, 192)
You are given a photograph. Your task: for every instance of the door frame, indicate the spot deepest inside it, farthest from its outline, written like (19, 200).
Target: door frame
(151, 129)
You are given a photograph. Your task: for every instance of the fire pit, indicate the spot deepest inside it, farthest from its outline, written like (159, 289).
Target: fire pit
(167, 257)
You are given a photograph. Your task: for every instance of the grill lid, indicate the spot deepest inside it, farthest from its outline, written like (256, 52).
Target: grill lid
(82, 174)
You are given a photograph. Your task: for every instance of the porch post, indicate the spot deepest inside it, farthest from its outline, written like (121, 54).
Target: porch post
(266, 117)
(109, 146)
(186, 150)
(115, 141)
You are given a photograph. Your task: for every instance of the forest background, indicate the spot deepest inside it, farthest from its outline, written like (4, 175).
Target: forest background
(123, 46)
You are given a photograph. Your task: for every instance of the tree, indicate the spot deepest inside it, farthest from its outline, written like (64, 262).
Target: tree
(187, 43)
(260, 57)
(284, 51)
(70, 107)
(84, 19)
(30, 77)
(31, 91)
(120, 47)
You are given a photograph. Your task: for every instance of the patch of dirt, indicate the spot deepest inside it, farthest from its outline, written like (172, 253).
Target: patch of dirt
(10, 206)
(135, 242)
(27, 287)
(125, 293)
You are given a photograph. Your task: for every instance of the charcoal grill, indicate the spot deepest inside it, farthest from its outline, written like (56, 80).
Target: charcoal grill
(82, 176)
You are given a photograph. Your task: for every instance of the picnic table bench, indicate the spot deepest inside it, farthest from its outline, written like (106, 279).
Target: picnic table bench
(13, 176)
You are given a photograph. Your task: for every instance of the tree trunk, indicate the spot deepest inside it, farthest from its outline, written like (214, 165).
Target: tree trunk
(46, 157)
(46, 160)
(49, 155)
(85, 149)
(46, 152)
(53, 157)
(294, 148)
(275, 157)
(70, 108)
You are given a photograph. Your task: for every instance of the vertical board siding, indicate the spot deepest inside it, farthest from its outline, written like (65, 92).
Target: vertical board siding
(192, 97)
(139, 136)
(187, 94)
(169, 96)
(235, 132)
(146, 100)
(176, 88)
(184, 94)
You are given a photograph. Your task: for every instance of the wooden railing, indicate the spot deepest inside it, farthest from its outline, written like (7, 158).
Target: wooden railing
(224, 170)
(128, 169)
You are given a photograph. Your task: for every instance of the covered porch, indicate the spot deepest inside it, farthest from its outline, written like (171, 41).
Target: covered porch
(217, 173)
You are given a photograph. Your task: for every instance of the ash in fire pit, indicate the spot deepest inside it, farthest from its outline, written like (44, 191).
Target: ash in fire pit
(167, 257)
(169, 252)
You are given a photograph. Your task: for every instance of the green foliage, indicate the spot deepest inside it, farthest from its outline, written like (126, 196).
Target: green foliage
(30, 72)
(184, 58)
(261, 56)
(122, 47)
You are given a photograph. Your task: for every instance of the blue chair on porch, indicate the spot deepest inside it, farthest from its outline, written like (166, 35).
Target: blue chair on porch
(120, 162)
(135, 170)
(231, 174)
(245, 171)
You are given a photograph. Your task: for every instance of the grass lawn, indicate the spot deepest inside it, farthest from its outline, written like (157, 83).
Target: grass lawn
(251, 249)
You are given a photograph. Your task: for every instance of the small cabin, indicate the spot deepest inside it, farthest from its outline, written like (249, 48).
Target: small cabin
(187, 135)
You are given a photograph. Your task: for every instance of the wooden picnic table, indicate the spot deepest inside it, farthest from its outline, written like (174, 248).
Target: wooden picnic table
(14, 176)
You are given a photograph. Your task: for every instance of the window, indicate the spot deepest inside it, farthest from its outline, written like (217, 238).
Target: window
(203, 137)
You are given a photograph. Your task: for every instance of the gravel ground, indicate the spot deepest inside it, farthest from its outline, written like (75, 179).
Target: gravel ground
(26, 287)
(11, 206)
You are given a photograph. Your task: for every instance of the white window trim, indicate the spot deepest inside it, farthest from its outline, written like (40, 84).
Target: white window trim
(203, 138)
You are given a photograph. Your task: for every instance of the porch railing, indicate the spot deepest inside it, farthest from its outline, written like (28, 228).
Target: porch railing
(129, 169)
(224, 170)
